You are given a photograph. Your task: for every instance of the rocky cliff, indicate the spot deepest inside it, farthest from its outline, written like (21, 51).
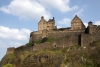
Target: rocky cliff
(72, 56)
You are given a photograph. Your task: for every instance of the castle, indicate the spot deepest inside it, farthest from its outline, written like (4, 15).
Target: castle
(77, 34)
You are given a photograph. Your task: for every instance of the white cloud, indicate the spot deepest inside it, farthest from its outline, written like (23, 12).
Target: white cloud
(15, 44)
(65, 21)
(15, 34)
(13, 37)
(86, 24)
(79, 12)
(97, 23)
(26, 9)
(59, 27)
(61, 5)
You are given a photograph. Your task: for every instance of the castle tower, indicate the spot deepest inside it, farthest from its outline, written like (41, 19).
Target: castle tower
(92, 28)
(77, 23)
(44, 25)
(90, 24)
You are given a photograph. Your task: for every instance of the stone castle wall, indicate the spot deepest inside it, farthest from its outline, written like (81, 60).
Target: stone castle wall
(86, 39)
(10, 50)
(23, 48)
(72, 39)
(53, 34)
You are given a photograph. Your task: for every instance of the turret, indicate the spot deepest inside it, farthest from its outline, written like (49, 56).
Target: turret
(90, 24)
(42, 17)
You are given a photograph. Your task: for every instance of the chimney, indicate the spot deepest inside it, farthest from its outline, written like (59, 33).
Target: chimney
(42, 17)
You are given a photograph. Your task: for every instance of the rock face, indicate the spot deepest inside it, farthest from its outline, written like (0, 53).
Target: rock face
(72, 56)
(34, 59)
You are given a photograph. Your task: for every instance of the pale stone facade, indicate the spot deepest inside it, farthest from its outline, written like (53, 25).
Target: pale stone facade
(44, 25)
(77, 23)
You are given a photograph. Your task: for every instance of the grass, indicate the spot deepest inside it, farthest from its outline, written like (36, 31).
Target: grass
(29, 44)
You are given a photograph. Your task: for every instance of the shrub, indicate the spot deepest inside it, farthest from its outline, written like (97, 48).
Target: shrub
(8, 65)
(49, 40)
(29, 44)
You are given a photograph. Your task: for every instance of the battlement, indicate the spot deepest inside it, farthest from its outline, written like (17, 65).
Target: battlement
(51, 20)
(10, 50)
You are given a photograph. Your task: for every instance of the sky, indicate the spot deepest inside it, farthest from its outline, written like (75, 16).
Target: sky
(18, 18)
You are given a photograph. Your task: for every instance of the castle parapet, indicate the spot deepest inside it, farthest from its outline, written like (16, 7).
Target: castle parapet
(92, 28)
(10, 50)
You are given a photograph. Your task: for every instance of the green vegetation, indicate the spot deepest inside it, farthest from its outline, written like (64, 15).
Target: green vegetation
(50, 40)
(37, 42)
(29, 44)
(9, 57)
(8, 65)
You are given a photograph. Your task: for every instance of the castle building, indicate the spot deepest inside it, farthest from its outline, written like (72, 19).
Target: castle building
(77, 23)
(44, 25)
(77, 34)
(92, 28)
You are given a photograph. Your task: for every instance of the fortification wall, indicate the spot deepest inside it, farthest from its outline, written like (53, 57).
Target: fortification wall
(10, 50)
(57, 34)
(23, 48)
(63, 42)
(37, 32)
(37, 37)
(99, 28)
(86, 39)
(53, 34)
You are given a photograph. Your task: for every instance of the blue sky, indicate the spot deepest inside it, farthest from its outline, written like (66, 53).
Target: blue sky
(19, 17)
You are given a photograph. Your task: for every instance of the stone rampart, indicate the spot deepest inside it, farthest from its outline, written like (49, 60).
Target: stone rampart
(86, 39)
(72, 39)
(23, 48)
(53, 34)
(10, 50)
